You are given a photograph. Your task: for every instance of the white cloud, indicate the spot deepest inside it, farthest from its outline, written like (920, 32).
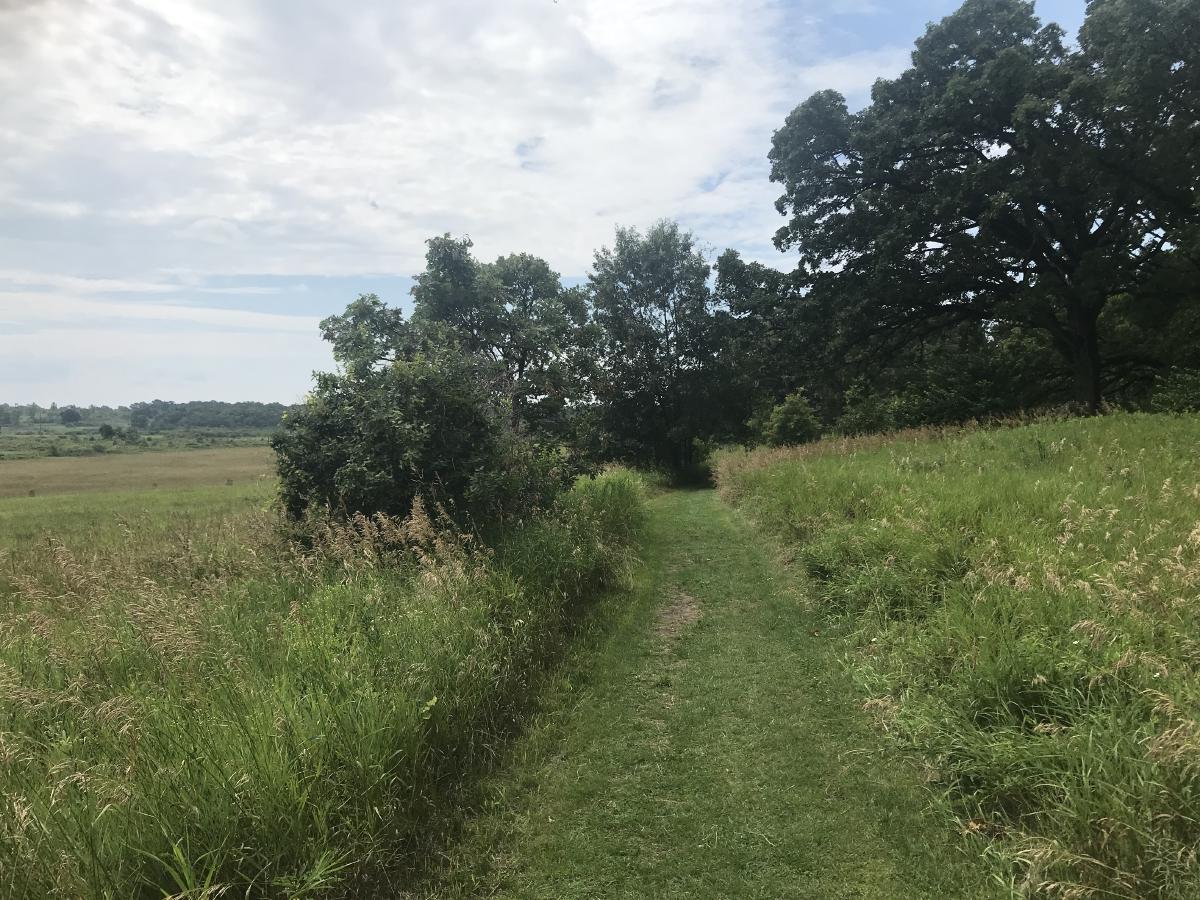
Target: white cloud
(330, 139)
(855, 73)
(37, 309)
(237, 137)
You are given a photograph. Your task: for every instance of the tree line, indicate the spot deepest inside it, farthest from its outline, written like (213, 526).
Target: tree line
(1012, 223)
(156, 415)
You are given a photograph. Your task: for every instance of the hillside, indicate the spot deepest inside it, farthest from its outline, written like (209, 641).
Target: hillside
(1022, 602)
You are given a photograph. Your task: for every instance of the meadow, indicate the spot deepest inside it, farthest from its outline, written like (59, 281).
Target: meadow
(195, 699)
(45, 440)
(1023, 602)
(167, 470)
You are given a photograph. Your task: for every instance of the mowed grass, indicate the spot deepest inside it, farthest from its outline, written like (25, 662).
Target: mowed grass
(1025, 603)
(707, 744)
(167, 470)
(192, 704)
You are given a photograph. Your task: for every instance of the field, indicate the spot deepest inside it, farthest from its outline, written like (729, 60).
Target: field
(37, 441)
(1024, 603)
(192, 703)
(1003, 620)
(168, 470)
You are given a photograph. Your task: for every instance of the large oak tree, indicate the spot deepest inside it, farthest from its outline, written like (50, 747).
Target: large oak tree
(1005, 178)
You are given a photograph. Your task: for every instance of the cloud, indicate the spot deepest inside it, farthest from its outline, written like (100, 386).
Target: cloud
(224, 138)
(325, 139)
(37, 309)
(853, 74)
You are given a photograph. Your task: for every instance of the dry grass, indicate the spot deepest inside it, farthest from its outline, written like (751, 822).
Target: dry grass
(168, 470)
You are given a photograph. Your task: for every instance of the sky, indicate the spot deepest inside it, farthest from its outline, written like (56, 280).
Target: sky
(187, 187)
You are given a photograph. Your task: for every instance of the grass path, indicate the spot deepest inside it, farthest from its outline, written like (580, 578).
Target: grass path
(706, 746)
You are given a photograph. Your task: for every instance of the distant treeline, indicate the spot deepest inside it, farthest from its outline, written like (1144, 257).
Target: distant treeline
(157, 415)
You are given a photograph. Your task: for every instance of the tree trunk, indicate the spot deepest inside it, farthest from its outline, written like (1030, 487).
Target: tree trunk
(1085, 356)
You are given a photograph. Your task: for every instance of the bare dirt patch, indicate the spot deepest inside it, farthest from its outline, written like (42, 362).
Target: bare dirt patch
(681, 611)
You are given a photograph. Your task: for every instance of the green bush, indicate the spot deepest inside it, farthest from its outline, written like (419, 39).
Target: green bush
(1178, 391)
(865, 411)
(792, 422)
(375, 439)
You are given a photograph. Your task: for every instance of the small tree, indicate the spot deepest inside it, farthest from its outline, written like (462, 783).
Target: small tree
(70, 416)
(107, 432)
(792, 422)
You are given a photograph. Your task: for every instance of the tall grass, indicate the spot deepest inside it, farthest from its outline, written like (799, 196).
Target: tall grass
(236, 715)
(1027, 614)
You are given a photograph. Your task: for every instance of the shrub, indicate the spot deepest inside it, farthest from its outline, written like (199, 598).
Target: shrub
(428, 426)
(1178, 391)
(865, 412)
(792, 422)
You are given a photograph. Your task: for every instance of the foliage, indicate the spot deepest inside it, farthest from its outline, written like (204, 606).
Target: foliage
(792, 422)
(161, 415)
(1021, 601)
(950, 198)
(375, 439)
(1177, 391)
(189, 702)
(656, 386)
(531, 337)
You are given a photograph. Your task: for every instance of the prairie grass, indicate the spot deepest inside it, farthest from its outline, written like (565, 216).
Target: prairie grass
(1025, 602)
(194, 705)
(173, 470)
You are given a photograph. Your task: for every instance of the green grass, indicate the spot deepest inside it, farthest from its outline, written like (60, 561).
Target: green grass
(1025, 617)
(706, 744)
(190, 703)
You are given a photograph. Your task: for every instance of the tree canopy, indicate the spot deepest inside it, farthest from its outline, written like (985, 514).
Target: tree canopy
(1004, 179)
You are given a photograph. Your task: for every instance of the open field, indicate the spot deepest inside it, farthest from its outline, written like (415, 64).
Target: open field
(39, 441)
(1025, 607)
(167, 470)
(188, 699)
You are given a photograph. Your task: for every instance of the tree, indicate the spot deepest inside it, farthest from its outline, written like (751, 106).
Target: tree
(368, 333)
(792, 422)
(533, 338)
(774, 347)
(70, 416)
(1003, 178)
(541, 335)
(107, 432)
(657, 315)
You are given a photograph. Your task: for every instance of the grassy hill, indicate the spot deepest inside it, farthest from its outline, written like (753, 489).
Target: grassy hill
(1025, 610)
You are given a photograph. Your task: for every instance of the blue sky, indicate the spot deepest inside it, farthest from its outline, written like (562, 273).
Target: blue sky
(189, 186)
